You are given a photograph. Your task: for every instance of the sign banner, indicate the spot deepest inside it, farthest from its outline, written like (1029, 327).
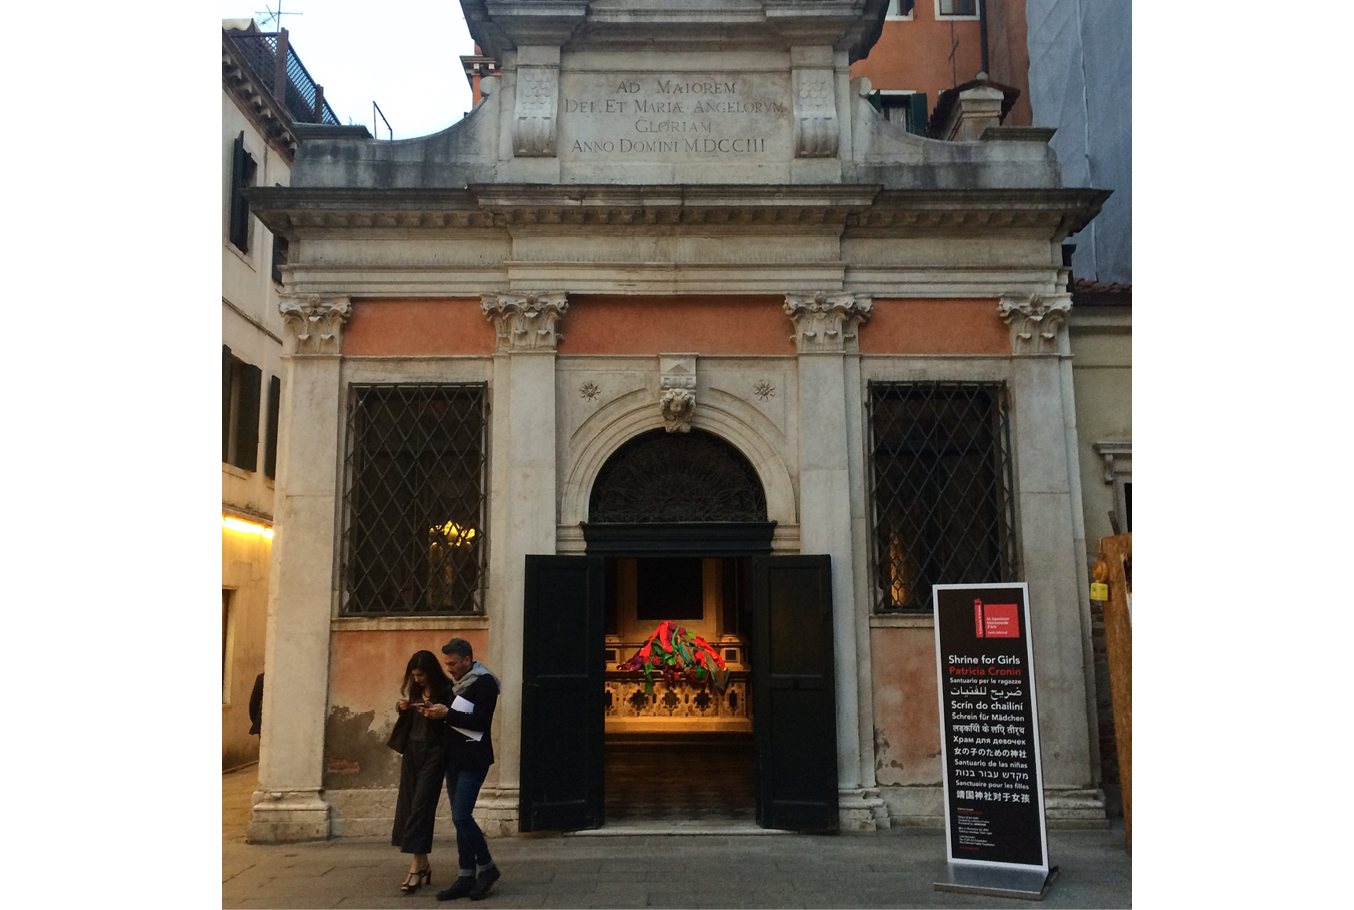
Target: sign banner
(994, 793)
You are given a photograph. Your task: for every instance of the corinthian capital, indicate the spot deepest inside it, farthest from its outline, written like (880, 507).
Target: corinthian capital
(526, 322)
(826, 322)
(1034, 320)
(314, 323)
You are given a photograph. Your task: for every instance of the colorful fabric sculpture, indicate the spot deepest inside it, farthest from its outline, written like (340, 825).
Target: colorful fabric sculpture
(672, 654)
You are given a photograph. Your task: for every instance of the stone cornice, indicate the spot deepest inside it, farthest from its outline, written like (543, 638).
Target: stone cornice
(271, 119)
(860, 210)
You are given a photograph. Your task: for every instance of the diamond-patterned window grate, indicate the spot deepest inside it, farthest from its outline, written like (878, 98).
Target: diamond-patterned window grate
(414, 503)
(942, 489)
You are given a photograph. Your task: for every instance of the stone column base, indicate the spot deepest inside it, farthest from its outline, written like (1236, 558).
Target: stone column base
(862, 810)
(287, 816)
(497, 811)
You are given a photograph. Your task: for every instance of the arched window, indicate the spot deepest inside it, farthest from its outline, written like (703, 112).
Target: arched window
(662, 477)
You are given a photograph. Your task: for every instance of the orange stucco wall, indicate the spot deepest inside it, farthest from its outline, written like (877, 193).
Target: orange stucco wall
(915, 55)
(935, 327)
(365, 673)
(419, 326)
(906, 707)
(650, 325)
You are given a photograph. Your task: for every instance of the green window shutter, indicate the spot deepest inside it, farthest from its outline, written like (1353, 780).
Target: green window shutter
(916, 117)
(225, 402)
(907, 7)
(270, 440)
(247, 425)
(241, 178)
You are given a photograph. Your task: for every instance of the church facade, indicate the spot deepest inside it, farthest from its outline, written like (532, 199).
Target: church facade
(673, 326)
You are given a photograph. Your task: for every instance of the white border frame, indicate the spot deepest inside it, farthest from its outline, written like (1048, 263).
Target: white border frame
(1024, 588)
(901, 17)
(955, 17)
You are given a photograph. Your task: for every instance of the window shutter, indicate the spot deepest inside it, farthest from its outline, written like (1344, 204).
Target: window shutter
(247, 427)
(225, 402)
(907, 7)
(279, 256)
(241, 177)
(916, 117)
(270, 440)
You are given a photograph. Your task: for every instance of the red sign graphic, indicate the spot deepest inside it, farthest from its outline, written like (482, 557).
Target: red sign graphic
(995, 620)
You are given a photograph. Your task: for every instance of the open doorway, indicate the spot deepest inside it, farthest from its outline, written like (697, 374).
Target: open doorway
(683, 753)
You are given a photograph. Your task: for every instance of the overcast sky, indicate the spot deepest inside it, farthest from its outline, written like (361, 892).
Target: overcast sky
(402, 54)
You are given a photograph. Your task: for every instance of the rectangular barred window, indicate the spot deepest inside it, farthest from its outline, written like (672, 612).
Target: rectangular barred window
(414, 503)
(942, 489)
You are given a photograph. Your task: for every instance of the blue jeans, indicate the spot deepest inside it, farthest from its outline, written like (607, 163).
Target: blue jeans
(463, 788)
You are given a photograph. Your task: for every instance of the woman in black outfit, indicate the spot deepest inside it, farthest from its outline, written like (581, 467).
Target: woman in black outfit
(425, 761)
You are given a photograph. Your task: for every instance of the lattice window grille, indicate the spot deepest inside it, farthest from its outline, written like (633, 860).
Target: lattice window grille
(414, 537)
(942, 478)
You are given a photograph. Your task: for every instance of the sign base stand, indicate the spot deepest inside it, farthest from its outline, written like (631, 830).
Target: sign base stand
(1026, 884)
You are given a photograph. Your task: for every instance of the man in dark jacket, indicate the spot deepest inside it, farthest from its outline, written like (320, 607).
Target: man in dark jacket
(470, 753)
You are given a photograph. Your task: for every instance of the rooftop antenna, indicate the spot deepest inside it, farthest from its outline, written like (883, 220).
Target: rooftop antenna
(269, 16)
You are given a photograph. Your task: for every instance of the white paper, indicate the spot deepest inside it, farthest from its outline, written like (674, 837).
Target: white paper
(466, 707)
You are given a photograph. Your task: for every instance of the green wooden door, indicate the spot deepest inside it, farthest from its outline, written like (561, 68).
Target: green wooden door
(562, 692)
(793, 693)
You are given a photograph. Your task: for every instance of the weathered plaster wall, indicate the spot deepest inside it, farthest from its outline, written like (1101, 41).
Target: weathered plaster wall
(366, 671)
(244, 572)
(906, 719)
(935, 327)
(416, 327)
(1102, 377)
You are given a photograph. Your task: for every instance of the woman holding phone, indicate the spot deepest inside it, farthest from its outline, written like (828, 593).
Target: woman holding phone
(425, 685)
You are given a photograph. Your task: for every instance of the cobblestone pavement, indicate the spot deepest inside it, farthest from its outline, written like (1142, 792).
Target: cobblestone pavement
(889, 869)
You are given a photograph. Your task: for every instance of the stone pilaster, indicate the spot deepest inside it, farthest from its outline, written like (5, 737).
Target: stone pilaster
(536, 112)
(289, 804)
(816, 131)
(1035, 321)
(525, 322)
(825, 332)
(523, 510)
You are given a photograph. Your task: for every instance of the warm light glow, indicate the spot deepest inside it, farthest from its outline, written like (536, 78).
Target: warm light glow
(454, 533)
(246, 527)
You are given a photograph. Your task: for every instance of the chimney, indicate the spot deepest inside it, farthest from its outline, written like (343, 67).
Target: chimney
(978, 106)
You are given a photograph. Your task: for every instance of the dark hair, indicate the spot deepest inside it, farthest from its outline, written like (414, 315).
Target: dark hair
(460, 647)
(432, 669)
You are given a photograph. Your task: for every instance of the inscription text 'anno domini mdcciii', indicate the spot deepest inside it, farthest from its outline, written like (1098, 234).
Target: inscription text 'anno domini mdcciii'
(672, 117)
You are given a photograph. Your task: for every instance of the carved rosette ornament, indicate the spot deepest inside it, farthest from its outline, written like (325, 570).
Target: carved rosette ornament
(1034, 320)
(826, 323)
(526, 322)
(315, 323)
(678, 407)
(535, 114)
(815, 108)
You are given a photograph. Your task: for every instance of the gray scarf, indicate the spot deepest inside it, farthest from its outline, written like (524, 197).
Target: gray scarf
(477, 670)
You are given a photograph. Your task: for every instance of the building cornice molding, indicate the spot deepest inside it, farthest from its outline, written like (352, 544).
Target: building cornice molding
(269, 116)
(856, 209)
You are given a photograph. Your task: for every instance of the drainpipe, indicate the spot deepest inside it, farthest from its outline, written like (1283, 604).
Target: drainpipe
(982, 31)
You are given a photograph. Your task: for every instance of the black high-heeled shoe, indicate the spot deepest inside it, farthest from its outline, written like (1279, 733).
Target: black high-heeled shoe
(415, 880)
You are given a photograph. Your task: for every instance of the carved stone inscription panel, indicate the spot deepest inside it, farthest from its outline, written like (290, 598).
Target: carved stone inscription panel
(675, 117)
